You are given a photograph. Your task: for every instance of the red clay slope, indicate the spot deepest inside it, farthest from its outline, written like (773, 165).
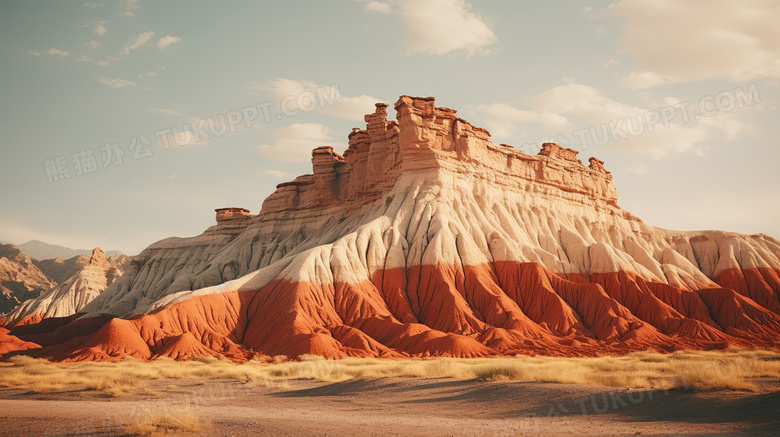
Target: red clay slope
(504, 308)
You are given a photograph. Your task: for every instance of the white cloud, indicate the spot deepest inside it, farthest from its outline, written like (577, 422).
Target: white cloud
(34, 53)
(439, 27)
(165, 111)
(92, 44)
(132, 4)
(116, 82)
(101, 30)
(378, 7)
(602, 116)
(85, 58)
(728, 124)
(167, 40)
(127, 14)
(93, 5)
(645, 79)
(198, 130)
(700, 39)
(136, 42)
(57, 52)
(305, 96)
(503, 119)
(295, 142)
(610, 63)
(147, 74)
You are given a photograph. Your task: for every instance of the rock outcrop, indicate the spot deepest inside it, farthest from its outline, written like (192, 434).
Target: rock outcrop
(232, 213)
(93, 275)
(20, 278)
(422, 239)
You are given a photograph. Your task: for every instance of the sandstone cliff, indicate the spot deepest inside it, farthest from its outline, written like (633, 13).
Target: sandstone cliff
(20, 278)
(92, 275)
(425, 238)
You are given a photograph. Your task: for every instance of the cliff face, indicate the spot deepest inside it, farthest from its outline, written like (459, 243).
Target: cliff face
(429, 138)
(93, 275)
(20, 278)
(425, 238)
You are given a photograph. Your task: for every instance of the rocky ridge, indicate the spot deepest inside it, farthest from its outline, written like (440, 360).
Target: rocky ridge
(92, 276)
(20, 278)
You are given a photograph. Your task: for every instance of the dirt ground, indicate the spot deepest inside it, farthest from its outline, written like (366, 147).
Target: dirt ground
(389, 406)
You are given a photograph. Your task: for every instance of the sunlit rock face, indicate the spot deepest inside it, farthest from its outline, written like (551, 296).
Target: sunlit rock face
(91, 276)
(426, 239)
(20, 278)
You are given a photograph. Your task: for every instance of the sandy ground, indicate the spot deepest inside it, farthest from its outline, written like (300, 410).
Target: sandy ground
(395, 406)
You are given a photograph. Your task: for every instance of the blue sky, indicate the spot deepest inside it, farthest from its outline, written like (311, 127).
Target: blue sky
(678, 98)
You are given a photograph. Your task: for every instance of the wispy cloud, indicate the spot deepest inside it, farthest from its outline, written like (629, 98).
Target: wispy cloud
(165, 111)
(504, 120)
(136, 42)
(57, 52)
(167, 40)
(34, 53)
(695, 40)
(641, 80)
(596, 111)
(147, 74)
(92, 44)
(326, 98)
(116, 82)
(439, 27)
(129, 6)
(383, 8)
(100, 30)
(295, 142)
(93, 5)
(102, 63)
(586, 112)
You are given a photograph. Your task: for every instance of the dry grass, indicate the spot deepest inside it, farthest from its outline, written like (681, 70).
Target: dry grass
(159, 423)
(735, 369)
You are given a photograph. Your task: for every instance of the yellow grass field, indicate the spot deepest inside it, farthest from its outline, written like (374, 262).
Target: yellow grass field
(735, 369)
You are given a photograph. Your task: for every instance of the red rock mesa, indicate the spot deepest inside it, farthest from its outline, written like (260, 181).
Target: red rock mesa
(426, 239)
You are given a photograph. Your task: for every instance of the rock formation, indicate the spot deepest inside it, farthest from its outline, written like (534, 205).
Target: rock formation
(95, 274)
(424, 239)
(20, 278)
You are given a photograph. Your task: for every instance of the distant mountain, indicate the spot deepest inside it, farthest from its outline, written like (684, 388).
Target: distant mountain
(40, 250)
(91, 276)
(20, 278)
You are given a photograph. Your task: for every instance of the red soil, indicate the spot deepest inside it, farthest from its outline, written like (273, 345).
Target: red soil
(502, 308)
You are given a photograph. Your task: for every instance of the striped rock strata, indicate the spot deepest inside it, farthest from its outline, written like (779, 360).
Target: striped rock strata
(426, 239)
